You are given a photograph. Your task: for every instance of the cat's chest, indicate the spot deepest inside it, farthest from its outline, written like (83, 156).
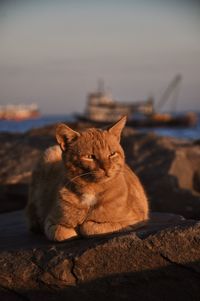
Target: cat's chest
(88, 199)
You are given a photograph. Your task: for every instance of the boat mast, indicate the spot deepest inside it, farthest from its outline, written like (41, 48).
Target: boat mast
(173, 86)
(101, 86)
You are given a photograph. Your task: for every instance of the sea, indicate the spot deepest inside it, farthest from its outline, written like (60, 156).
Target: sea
(192, 133)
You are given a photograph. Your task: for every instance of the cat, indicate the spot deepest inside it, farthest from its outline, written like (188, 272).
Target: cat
(83, 187)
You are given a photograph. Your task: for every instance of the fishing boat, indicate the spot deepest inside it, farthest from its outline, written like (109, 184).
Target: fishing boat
(19, 112)
(102, 109)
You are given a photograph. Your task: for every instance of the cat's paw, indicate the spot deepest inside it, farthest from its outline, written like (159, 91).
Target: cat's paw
(85, 228)
(59, 232)
(89, 228)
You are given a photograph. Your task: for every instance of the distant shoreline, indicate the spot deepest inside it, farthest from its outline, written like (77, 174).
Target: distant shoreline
(9, 126)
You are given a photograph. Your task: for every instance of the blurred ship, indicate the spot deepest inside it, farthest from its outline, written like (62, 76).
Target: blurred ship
(19, 112)
(102, 109)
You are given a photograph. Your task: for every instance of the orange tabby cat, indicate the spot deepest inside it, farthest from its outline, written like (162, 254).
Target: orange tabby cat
(83, 187)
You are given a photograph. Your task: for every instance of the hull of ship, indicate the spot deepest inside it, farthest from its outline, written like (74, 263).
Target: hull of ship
(175, 121)
(16, 117)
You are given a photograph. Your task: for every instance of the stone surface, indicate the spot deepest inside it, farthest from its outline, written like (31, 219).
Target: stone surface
(160, 261)
(169, 168)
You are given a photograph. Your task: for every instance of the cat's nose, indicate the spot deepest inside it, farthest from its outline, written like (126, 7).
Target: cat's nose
(108, 173)
(106, 168)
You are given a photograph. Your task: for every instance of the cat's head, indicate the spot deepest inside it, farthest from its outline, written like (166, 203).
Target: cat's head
(93, 155)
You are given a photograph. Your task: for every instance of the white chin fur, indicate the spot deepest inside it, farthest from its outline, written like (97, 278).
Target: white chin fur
(88, 199)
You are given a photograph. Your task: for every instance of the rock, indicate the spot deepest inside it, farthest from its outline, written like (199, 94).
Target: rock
(196, 180)
(13, 196)
(169, 168)
(159, 261)
(19, 153)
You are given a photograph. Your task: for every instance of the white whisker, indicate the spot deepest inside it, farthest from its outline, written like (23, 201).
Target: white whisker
(86, 174)
(81, 175)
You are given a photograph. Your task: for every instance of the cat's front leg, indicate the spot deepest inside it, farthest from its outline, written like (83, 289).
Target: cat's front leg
(57, 232)
(90, 228)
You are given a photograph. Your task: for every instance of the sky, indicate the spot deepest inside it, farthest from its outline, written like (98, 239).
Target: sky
(53, 52)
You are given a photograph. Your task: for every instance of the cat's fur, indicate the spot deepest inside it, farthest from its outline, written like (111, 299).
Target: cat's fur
(83, 187)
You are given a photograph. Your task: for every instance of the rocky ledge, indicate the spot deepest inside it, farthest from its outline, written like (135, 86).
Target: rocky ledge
(160, 261)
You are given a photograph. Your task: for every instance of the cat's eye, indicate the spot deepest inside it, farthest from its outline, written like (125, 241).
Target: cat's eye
(113, 154)
(89, 157)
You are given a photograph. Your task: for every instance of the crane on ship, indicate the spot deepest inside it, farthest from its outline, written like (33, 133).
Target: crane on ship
(173, 87)
(189, 119)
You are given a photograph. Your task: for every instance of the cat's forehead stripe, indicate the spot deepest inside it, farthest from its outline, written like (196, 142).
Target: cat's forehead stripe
(93, 140)
(94, 134)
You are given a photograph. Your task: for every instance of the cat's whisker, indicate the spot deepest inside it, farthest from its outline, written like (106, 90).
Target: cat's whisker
(81, 175)
(87, 174)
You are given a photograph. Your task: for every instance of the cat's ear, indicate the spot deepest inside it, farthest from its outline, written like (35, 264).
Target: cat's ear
(64, 135)
(117, 128)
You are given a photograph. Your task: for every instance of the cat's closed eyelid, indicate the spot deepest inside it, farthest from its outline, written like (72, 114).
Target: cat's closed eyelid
(88, 157)
(113, 154)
